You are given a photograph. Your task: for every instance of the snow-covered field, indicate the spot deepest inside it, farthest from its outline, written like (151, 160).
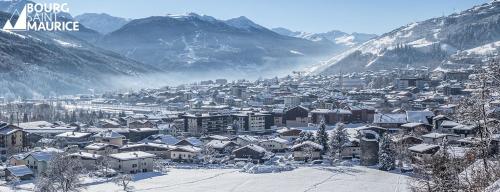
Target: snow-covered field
(311, 179)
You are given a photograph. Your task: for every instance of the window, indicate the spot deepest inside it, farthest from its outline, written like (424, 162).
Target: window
(134, 165)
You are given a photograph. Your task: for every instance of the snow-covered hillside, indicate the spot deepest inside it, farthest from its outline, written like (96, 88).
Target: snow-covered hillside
(425, 43)
(36, 64)
(336, 37)
(310, 179)
(103, 23)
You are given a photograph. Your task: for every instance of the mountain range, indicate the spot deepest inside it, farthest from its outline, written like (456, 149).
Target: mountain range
(111, 52)
(467, 37)
(194, 43)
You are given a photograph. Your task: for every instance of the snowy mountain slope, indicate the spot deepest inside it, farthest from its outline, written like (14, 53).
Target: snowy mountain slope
(193, 42)
(337, 37)
(425, 43)
(103, 23)
(48, 63)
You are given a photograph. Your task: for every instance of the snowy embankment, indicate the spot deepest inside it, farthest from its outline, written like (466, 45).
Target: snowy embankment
(356, 178)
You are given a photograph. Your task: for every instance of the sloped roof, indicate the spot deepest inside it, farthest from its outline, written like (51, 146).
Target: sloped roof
(161, 138)
(309, 144)
(108, 134)
(419, 116)
(422, 147)
(20, 170)
(389, 118)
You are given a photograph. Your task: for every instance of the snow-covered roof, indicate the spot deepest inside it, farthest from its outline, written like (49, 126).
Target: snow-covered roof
(254, 148)
(188, 148)
(157, 145)
(20, 170)
(42, 155)
(194, 141)
(73, 134)
(8, 130)
(411, 125)
(279, 140)
(108, 134)
(337, 111)
(161, 138)
(247, 138)
(218, 137)
(218, 144)
(447, 123)
(308, 144)
(389, 118)
(464, 127)
(419, 116)
(435, 135)
(85, 155)
(97, 146)
(132, 155)
(420, 148)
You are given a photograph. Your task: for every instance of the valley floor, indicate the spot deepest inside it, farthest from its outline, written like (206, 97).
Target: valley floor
(304, 179)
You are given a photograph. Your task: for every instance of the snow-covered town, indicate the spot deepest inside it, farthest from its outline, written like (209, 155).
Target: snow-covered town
(249, 96)
(320, 132)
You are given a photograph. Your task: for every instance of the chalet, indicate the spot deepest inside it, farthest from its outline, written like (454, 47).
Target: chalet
(38, 161)
(424, 117)
(190, 141)
(73, 138)
(275, 145)
(331, 116)
(254, 153)
(307, 151)
(88, 160)
(389, 120)
(446, 126)
(289, 134)
(243, 140)
(160, 150)
(141, 124)
(351, 149)
(102, 148)
(362, 114)
(17, 159)
(465, 130)
(107, 123)
(110, 137)
(416, 128)
(405, 142)
(132, 162)
(222, 146)
(185, 153)
(21, 172)
(421, 151)
(278, 117)
(161, 139)
(209, 138)
(137, 134)
(296, 117)
(434, 138)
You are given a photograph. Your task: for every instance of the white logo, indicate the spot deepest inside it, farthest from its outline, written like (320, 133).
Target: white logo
(41, 17)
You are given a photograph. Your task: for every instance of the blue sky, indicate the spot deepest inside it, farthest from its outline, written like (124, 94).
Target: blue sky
(369, 16)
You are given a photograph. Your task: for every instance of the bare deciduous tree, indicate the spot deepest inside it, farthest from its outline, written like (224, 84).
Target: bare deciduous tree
(123, 180)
